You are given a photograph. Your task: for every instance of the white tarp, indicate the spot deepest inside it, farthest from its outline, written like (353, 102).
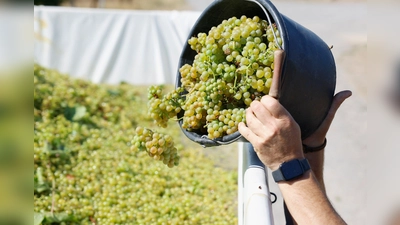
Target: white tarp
(110, 46)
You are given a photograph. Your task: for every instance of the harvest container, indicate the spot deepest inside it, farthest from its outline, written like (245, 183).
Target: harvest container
(308, 78)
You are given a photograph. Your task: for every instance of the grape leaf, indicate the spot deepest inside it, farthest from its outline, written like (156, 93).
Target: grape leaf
(58, 217)
(75, 113)
(37, 218)
(114, 92)
(80, 112)
(41, 187)
(39, 184)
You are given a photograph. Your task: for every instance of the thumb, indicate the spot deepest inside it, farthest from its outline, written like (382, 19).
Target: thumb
(336, 103)
(319, 135)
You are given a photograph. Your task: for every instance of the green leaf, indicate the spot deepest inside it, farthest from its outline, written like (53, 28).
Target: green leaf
(80, 112)
(40, 185)
(64, 217)
(39, 188)
(114, 92)
(75, 113)
(58, 217)
(37, 218)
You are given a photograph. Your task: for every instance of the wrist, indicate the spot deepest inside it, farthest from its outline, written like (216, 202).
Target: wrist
(291, 170)
(276, 165)
(306, 175)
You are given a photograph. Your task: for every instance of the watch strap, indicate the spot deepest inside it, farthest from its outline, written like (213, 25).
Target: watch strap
(279, 176)
(305, 164)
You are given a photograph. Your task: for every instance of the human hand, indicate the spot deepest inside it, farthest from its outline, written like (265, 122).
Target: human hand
(318, 137)
(273, 132)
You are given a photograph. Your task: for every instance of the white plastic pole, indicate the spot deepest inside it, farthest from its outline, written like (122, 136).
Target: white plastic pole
(243, 164)
(254, 201)
(257, 201)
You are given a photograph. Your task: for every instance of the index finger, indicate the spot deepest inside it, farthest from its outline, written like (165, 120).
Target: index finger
(247, 133)
(274, 107)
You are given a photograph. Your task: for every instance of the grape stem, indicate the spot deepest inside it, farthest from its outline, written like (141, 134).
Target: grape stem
(234, 83)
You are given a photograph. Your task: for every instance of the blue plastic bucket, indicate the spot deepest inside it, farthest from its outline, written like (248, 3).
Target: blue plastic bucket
(308, 79)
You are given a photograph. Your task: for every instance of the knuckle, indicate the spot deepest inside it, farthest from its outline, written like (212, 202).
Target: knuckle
(274, 131)
(265, 99)
(255, 105)
(249, 122)
(269, 101)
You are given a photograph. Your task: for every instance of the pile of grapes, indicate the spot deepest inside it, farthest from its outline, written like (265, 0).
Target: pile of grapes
(233, 67)
(91, 163)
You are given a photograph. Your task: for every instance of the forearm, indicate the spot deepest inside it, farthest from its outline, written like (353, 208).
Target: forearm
(316, 160)
(307, 202)
(276, 138)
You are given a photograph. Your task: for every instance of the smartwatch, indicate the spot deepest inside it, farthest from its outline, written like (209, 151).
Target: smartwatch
(291, 169)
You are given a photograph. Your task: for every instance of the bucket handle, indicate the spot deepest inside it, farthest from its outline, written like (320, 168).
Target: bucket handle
(269, 21)
(279, 57)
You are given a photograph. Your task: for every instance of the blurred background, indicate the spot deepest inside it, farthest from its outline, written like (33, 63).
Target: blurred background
(362, 156)
(342, 24)
(149, 5)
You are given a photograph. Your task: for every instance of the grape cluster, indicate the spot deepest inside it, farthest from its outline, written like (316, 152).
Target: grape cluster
(233, 67)
(224, 122)
(158, 146)
(163, 107)
(85, 171)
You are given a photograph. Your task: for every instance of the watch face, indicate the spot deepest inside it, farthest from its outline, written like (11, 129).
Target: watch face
(291, 169)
